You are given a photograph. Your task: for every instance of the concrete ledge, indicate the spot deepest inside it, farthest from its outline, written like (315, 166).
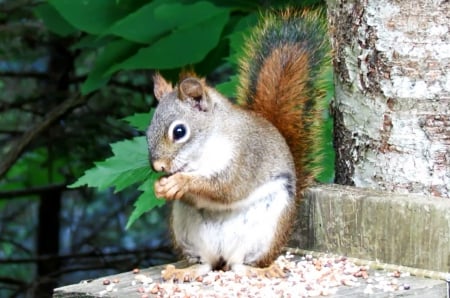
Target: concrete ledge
(408, 230)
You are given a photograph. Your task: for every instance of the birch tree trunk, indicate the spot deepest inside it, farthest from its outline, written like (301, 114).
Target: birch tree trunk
(392, 94)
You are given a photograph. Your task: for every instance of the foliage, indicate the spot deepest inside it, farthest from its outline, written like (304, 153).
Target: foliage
(128, 166)
(154, 35)
(140, 35)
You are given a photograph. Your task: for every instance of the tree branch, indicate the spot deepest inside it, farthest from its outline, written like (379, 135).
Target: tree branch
(89, 255)
(11, 194)
(16, 150)
(12, 281)
(24, 74)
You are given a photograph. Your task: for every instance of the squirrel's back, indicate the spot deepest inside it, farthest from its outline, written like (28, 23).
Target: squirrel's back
(280, 80)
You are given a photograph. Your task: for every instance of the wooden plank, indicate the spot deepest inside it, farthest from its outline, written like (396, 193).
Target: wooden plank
(379, 284)
(122, 285)
(408, 230)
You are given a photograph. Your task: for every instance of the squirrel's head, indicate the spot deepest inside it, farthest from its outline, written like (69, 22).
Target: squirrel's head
(179, 124)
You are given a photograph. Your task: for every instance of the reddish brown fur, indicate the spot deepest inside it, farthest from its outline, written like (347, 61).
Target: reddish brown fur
(280, 96)
(281, 81)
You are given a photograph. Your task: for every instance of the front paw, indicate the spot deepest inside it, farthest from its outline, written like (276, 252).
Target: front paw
(172, 187)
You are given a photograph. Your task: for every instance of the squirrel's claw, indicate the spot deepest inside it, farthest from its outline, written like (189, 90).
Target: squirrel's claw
(273, 271)
(172, 187)
(170, 273)
(174, 274)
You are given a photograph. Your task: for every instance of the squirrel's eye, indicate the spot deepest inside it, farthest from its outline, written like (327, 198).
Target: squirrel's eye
(178, 132)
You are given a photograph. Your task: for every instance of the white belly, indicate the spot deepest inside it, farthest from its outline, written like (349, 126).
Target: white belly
(240, 235)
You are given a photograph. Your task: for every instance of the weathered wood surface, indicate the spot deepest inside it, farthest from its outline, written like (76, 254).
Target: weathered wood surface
(127, 285)
(405, 230)
(408, 230)
(124, 283)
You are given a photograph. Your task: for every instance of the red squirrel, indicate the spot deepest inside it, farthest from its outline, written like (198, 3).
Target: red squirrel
(236, 172)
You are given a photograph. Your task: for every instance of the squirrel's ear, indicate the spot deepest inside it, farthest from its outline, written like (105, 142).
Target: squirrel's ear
(193, 90)
(161, 86)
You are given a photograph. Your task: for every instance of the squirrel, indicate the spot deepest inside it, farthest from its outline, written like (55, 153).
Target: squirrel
(236, 172)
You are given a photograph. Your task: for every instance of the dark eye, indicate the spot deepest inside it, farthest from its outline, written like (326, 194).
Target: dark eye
(179, 131)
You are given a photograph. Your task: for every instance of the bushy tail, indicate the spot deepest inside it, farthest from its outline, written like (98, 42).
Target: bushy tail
(280, 80)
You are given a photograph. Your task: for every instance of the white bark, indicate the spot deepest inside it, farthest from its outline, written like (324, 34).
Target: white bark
(392, 103)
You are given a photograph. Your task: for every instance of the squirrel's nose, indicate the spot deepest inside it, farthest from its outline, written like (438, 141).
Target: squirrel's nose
(159, 165)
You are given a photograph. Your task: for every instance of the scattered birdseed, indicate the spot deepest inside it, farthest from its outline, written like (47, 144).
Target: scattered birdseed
(306, 276)
(396, 273)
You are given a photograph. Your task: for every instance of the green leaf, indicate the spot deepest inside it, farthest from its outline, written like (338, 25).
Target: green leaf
(114, 52)
(242, 31)
(92, 42)
(237, 38)
(144, 24)
(35, 168)
(140, 121)
(8, 249)
(187, 44)
(147, 200)
(247, 5)
(94, 16)
(229, 87)
(53, 20)
(128, 165)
